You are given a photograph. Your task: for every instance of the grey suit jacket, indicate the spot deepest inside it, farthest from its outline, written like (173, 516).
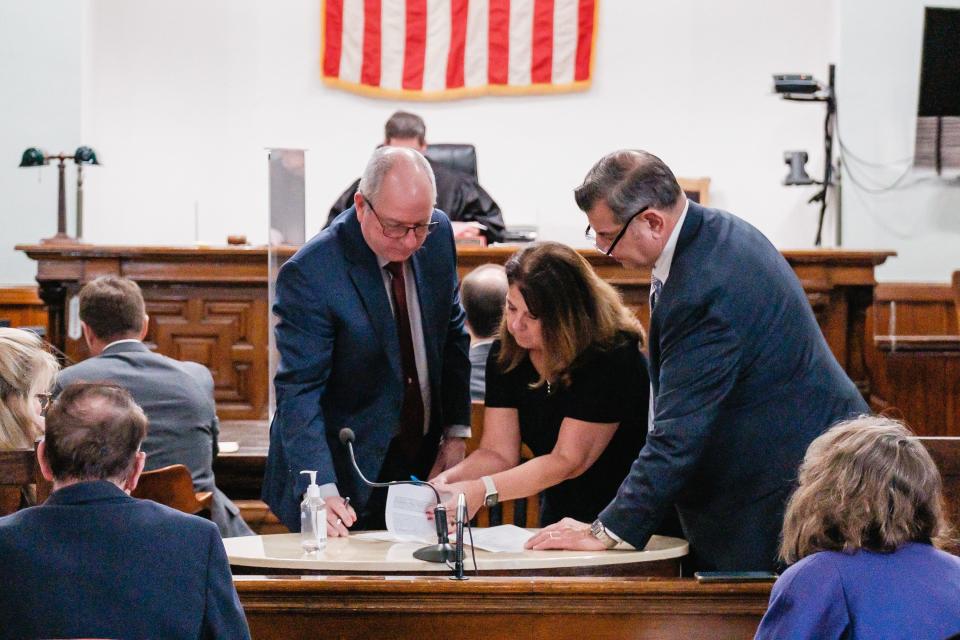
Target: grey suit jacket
(178, 400)
(478, 370)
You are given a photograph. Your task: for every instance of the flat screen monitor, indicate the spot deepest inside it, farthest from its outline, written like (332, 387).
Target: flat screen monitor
(940, 66)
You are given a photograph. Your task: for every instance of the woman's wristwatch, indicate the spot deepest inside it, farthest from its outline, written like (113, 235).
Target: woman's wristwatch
(598, 531)
(491, 496)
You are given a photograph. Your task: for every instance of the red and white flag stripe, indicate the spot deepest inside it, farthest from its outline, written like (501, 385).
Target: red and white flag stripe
(452, 48)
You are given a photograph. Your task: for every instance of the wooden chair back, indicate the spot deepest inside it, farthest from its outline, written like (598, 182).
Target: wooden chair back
(945, 452)
(19, 469)
(523, 512)
(173, 487)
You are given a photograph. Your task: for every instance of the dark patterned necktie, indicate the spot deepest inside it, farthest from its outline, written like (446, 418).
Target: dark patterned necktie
(655, 287)
(411, 411)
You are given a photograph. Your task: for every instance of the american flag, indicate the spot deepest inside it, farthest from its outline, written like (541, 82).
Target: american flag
(439, 49)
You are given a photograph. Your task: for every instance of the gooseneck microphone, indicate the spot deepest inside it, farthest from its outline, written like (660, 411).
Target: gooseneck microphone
(440, 552)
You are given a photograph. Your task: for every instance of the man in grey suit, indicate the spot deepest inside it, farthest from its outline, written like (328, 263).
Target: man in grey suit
(482, 292)
(176, 396)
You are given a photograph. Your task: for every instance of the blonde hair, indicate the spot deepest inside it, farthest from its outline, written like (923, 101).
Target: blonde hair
(25, 370)
(576, 309)
(867, 483)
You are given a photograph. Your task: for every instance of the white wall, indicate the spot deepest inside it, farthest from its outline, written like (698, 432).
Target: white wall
(180, 98)
(878, 87)
(39, 107)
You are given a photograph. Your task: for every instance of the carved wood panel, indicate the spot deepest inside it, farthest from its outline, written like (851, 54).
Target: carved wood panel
(223, 329)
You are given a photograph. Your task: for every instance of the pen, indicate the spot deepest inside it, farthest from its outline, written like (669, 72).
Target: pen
(346, 503)
(415, 478)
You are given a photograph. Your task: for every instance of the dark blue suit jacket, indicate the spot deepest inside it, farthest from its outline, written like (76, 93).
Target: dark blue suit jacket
(94, 562)
(743, 381)
(340, 360)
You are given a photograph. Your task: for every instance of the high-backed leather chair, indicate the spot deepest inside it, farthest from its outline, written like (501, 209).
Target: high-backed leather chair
(460, 157)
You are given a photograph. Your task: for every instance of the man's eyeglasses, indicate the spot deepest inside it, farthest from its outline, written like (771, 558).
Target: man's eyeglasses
(44, 399)
(597, 238)
(396, 231)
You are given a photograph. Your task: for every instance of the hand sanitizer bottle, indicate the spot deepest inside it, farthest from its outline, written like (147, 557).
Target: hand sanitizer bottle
(313, 517)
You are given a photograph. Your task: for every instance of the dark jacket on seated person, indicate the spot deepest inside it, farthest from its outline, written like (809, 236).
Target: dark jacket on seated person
(94, 562)
(459, 195)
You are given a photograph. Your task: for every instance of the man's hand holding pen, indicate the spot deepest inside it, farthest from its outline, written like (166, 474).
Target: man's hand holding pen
(340, 516)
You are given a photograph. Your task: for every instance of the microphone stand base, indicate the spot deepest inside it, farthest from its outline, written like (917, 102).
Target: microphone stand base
(436, 553)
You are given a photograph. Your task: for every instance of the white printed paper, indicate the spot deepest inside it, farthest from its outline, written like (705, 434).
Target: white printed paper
(406, 513)
(506, 538)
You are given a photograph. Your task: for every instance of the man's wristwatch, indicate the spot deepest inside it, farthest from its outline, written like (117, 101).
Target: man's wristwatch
(598, 531)
(491, 498)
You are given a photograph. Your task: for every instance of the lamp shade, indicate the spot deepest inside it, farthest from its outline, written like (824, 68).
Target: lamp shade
(33, 157)
(85, 155)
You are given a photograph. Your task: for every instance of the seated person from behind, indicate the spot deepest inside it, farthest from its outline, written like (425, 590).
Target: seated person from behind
(568, 379)
(482, 292)
(27, 372)
(94, 562)
(863, 529)
(459, 195)
(176, 396)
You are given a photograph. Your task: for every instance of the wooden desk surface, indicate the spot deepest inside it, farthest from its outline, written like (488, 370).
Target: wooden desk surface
(239, 474)
(253, 436)
(352, 556)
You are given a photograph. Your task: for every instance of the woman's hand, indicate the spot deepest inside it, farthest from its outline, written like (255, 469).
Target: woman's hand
(472, 490)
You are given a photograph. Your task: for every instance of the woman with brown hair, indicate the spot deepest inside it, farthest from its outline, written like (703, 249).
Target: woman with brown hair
(863, 529)
(27, 373)
(567, 378)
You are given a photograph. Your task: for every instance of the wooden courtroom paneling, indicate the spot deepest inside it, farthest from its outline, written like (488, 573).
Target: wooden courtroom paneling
(500, 608)
(210, 303)
(915, 373)
(21, 306)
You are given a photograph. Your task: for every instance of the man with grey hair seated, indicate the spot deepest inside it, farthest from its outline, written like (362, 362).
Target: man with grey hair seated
(484, 291)
(371, 337)
(94, 562)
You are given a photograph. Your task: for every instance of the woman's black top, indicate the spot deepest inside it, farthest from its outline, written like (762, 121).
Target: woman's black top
(606, 386)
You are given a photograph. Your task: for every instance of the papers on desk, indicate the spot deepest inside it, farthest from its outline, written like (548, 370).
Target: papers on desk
(406, 518)
(506, 538)
(229, 446)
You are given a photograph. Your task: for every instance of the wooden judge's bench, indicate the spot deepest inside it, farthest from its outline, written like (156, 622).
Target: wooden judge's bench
(210, 304)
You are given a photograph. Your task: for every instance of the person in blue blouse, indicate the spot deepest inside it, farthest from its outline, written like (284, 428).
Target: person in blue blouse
(863, 530)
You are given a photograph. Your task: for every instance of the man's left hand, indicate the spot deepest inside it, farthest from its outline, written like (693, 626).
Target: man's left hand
(568, 534)
(452, 452)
